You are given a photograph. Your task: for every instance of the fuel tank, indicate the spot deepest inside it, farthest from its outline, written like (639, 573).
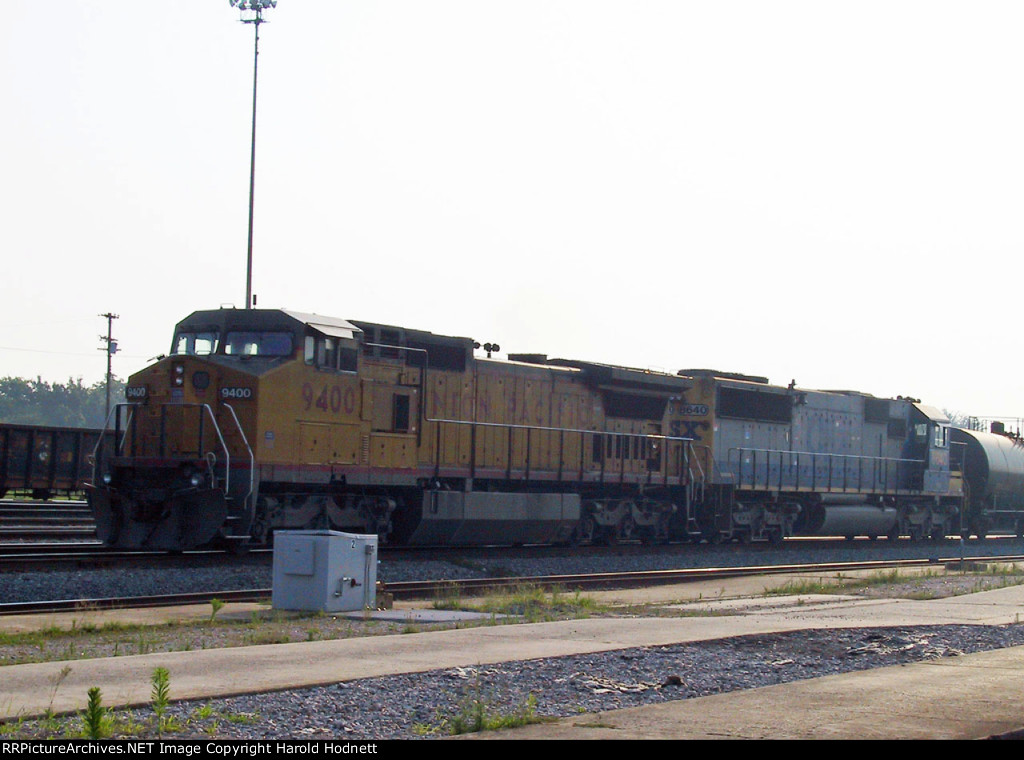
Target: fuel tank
(846, 519)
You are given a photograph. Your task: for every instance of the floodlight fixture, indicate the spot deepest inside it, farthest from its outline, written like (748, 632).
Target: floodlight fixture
(252, 13)
(254, 7)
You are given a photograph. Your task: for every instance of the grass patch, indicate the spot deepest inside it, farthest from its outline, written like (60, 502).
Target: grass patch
(909, 584)
(533, 604)
(119, 639)
(476, 713)
(528, 602)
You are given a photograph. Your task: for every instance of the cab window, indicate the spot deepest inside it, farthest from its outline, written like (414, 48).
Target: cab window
(199, 343)
(269, 343)
(330, 353)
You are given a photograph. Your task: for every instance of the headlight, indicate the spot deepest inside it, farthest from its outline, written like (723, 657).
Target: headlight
(107, 477)
(196, 479)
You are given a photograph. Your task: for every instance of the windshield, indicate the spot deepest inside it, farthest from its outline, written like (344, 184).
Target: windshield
(196, 343)
(253, 343)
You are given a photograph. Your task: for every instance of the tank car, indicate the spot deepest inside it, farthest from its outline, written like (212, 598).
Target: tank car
(992, 464)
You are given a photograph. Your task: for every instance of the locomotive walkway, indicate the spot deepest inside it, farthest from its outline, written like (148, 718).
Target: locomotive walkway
(973, 696)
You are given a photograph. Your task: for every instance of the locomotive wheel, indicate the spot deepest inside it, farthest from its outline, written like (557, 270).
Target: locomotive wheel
(626, 528)
(237, 548)
(648, 535)
(584, 532)
(711, 534)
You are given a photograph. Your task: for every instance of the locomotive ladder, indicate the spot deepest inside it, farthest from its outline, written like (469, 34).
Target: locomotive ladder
(248, 511)
(700, 466)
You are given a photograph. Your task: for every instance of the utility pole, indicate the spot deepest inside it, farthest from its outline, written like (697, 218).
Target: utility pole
(111, 349)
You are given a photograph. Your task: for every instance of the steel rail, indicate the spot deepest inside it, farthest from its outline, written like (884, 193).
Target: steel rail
(412, 590)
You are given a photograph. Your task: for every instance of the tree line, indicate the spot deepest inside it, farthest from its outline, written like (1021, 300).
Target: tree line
(70, 404)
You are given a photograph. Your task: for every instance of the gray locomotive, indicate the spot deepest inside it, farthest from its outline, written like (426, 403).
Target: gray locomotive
(784, 461)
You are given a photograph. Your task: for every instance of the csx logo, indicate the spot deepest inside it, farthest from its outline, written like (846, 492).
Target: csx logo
(691, 429)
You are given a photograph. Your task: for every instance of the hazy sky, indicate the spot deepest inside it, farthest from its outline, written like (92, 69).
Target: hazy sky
(823, 191)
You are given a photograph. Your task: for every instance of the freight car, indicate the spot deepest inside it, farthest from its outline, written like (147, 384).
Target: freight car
(44, 461)
(263, 419)
(993, 473)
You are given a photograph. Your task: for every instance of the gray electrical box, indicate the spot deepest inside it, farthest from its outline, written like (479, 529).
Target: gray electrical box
(324, 570)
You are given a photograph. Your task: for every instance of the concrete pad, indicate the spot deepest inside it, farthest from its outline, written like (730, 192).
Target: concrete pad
(971, 697)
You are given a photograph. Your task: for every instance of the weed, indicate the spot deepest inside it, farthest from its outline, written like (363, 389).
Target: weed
(534, 604)
(259, 638)
(242, 718)
(476, 714)
(448, 598)
(57, 681)
(11, 728)
(144, 644)
(203, 712)
(160, 697)
(216, 605)
(96, 720)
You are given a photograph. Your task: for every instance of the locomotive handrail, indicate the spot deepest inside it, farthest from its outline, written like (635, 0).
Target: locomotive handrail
(510, 426)
(543, 428)
(697, 482)
(794, 469)
(252, 462)
(118, 445)
(223, 444)
(696, 460)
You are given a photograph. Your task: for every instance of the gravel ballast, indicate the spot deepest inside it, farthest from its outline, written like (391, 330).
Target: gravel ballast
(428, 705)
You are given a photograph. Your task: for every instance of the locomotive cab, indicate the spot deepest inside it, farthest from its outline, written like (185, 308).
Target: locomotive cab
(182, 472)
(928, 443)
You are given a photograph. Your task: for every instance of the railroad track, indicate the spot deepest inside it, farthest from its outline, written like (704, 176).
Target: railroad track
(34, 555)
(412, 590)
(57, 520)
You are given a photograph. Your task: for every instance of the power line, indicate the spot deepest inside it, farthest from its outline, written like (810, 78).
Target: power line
(67, 353)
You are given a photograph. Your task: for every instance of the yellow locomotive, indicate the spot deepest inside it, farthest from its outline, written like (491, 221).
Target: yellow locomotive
(263, 419)
(267, 419)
